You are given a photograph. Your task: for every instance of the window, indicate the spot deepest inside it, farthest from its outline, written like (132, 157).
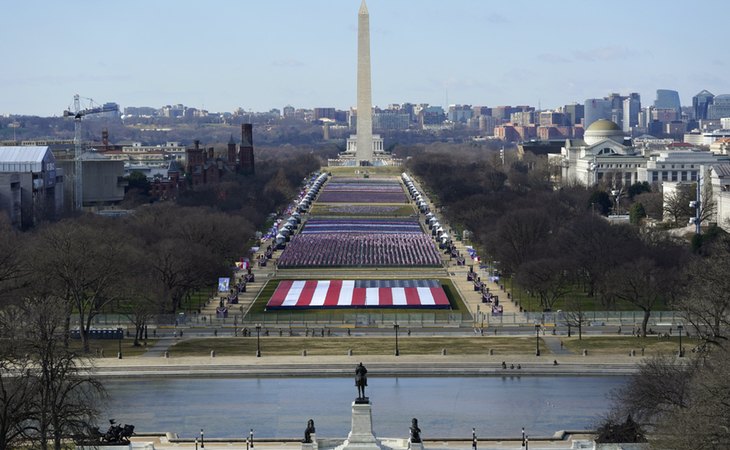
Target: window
(665, 176)
(655, 176)
(674, 175)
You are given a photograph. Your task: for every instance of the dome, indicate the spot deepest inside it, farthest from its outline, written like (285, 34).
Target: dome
(603, 129)
(603, 125)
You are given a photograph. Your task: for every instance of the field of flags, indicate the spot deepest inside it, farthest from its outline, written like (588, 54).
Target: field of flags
(294, 294)
(368, 239)
(357, 190)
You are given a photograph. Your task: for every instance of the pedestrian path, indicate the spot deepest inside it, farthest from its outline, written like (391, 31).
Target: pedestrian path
(554, 344)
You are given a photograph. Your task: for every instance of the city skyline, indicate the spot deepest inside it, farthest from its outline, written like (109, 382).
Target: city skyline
(260, 56)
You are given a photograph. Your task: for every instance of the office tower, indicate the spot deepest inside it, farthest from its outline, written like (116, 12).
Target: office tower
(668, 99)
(700, 102)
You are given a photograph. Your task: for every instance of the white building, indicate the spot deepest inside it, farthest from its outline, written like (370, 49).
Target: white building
(606, 156)
(719, 175)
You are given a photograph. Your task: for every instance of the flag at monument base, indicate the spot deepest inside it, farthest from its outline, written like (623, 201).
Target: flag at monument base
(295, 294)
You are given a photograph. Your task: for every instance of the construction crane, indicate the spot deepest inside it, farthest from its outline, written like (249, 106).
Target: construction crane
(78, 114)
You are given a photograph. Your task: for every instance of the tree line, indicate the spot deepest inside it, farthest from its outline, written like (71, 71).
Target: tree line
(142, 265)
(551, 241)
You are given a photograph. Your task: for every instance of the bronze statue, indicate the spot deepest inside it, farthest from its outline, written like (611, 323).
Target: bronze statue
(415, 431)
(308, 432)
(361, 380)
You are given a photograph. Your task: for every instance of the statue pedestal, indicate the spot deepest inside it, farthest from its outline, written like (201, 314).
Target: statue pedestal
(415, 445)
(361, 435)
(311, 445)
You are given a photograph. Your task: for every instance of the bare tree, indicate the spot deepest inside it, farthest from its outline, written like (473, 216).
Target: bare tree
(57, 401)
(13, 268)
(705, 302)
(549, 278)
(16, 385)
(575, 314)
(643, 284)
(83, 262)
(676, 204)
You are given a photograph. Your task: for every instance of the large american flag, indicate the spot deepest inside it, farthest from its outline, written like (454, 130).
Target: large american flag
(294, 294)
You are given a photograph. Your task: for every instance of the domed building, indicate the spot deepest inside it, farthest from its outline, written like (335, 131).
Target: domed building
(604, 155)
(603, 129)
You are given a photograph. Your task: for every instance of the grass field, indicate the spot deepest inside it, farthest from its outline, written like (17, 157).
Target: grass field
(412, 345)
(622, 345)
(318, 346)
(111, 347)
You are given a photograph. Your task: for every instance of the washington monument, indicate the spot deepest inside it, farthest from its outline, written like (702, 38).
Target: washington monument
(364, 150)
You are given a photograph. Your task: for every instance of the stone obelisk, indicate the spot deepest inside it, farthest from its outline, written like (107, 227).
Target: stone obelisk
(364, 94)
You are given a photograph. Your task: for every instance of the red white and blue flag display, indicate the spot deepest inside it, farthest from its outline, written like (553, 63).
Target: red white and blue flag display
(296, 294)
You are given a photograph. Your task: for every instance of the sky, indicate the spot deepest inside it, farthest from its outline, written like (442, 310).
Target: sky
(220, 55)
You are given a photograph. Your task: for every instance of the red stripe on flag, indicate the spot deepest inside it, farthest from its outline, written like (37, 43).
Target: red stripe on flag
(333, 293)
(439, 296)
(358, 297)
(280, 293)
(412, 297)
(305, 298)
(385, 297)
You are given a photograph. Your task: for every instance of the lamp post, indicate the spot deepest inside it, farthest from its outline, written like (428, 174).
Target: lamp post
(537, 339)
(680, 327)
(474, 439)
(395, 327)
(258, 343)
(250, 437)
(196, 443)
(523, 436)
(120, 333)
(202, 439)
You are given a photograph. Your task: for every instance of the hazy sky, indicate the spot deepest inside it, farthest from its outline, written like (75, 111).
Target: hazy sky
(263, 54)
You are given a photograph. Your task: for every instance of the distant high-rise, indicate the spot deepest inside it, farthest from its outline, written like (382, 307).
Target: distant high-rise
(700, 102)
(668, 99)
(631, 108)
(364, 149)
(720, 107)
(594, 109)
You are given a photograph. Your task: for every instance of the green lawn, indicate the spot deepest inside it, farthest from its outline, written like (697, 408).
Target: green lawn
(322, 346)
(621, 345)
(532, 304)
(111, 347)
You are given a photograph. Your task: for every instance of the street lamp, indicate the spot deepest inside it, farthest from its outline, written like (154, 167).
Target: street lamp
(202, 439)
(250, 437)
(395, 327)
(196, 443)
(680, 327)
(523, 436)
(258, 342)
(120, 333)
(474, 439)
(537, 339)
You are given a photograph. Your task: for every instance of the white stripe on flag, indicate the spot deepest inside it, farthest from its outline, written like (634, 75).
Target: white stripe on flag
(399, 296)
(372, 296)
(345, 299)
(320, 293)
(294, 293)
(425, 296)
